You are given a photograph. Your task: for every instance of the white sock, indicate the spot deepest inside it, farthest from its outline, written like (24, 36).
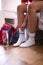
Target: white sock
(32, 35)
(30, 41)
(20, 31)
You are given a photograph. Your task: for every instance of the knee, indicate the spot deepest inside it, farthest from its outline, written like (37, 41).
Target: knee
(31, 8)
(19, 8)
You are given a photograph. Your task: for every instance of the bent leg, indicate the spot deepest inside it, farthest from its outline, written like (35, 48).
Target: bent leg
(21, 9)
(32, 22)
(32, 17)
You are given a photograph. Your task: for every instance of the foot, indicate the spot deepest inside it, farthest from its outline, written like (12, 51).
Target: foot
(28, 43)
(20, 40)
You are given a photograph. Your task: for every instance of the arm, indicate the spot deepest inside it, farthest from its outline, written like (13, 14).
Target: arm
(23, 26)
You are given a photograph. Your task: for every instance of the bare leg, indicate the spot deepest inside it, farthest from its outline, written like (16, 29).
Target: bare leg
(32, 22)
(32, 17)
(21, 23)
(21, 9)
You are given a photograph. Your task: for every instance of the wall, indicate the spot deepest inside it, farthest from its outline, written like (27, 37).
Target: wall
(11, 15)
(9, 9)
(10, 5)
(1, 19)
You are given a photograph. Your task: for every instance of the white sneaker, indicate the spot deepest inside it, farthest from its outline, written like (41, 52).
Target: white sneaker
(20, 40)
(28, 43)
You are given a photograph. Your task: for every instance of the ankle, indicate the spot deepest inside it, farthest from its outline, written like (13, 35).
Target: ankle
(31, 35)
(20, 31)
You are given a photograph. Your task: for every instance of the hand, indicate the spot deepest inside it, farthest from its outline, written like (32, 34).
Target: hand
(23, 26)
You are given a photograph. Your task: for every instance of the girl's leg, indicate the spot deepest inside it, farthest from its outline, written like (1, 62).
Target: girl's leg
(32, 22)
(32, 17)
(21, 9)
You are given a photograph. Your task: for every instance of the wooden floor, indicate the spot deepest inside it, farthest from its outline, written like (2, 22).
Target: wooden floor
(21, 56)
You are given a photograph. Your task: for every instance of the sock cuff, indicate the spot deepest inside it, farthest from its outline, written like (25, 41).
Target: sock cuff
(31, 34)
(20, 31)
